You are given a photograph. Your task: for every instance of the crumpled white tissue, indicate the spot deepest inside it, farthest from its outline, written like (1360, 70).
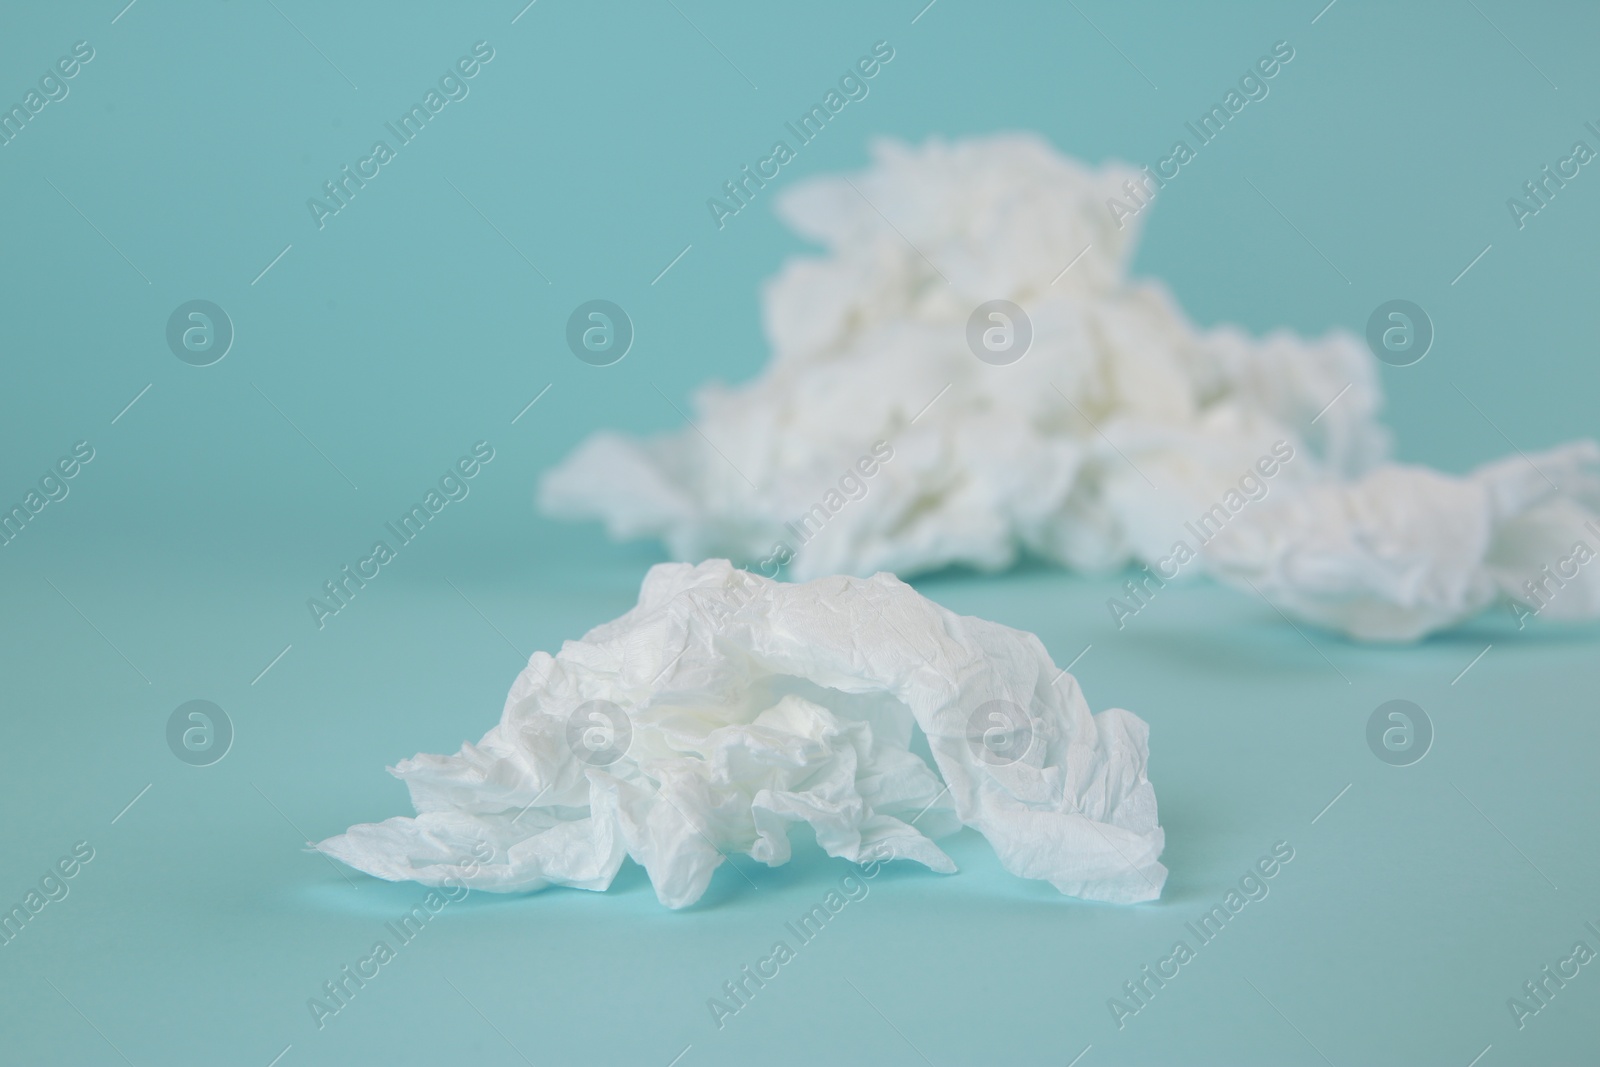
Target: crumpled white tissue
(751, 705)
(1123, 419)
(1117, 386)
(1408, 550)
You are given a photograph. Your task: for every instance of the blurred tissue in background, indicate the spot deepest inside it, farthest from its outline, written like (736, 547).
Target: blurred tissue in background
(887, 434)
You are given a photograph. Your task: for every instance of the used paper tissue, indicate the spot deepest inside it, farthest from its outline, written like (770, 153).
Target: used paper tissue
(1121, 420)
(1406, 550)
(725, 707)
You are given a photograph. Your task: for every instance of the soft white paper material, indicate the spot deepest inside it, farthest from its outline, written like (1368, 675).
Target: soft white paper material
(1039, 455)
(752, 705)
(1123, 421)
(1407, 550)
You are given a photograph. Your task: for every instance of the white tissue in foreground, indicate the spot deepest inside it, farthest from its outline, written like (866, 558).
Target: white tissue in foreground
(725, 707)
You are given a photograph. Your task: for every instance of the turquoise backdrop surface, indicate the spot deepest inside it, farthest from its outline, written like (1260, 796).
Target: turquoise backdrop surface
(373, 346)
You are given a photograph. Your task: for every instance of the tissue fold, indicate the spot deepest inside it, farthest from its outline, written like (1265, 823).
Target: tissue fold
(1054, 454)
(877, 439)
(1406, 550)
(725, 707)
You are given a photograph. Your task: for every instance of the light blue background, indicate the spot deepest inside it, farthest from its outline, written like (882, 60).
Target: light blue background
(410, 328)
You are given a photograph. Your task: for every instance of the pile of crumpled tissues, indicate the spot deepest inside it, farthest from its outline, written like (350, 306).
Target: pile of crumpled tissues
(725, 707)
(876, 440)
